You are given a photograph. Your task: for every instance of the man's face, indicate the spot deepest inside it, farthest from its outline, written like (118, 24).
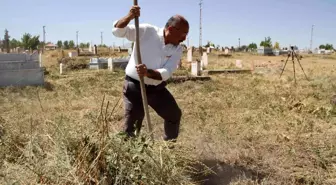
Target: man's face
(178, 33)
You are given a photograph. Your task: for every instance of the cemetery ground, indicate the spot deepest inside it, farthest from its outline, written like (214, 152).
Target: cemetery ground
(247, 128)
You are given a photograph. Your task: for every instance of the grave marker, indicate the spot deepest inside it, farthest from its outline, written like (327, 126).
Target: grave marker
(110, 64)
(61, 68)
(21, 69)
(204, 60)
(239, 64)
(73, 54)
(190, 54)
(226, 51)
(195, 68)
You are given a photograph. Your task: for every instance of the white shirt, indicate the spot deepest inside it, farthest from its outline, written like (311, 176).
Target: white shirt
(154, 53)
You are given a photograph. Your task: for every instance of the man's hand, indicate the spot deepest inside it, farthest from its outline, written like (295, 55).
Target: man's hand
(123, 22)
(134, 12)
(141, 70)
(150, 73)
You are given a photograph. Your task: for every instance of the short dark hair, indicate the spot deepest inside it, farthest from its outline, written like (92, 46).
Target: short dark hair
(175, 20)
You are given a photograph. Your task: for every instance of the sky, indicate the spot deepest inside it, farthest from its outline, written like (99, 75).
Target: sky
(288, 22)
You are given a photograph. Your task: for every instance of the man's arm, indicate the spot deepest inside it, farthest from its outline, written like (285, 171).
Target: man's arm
(123, 22)
(121, 28)
(154, 74)
(150, 73)
(163, 73)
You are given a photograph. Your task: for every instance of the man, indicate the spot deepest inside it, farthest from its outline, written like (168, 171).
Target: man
(160, 53)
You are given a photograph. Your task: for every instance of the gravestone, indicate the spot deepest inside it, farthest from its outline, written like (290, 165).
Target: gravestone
(95, 51)
(90, 47)
(190, 54)
(73, 54)
(195, 68)
(204, 60)
(109, 63)
(61, 68)
(208, 50)
(21, 69)
(239, 64)
(226, 51)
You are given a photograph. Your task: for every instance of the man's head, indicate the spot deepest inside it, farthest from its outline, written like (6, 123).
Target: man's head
(176, 30)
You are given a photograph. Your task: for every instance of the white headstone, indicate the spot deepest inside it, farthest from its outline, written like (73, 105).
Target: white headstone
(195, 68)
(90, 47)
(239, 64)
(40, 59)
(204, 59)
(61, 68)
(110, 64)
(190, 54)
(208, 50)
(73, 54)
(226, 51)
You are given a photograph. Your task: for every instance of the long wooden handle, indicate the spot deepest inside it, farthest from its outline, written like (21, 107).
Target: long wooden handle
(142, 83)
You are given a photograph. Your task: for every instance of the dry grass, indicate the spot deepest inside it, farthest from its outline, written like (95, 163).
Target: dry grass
(252, 129)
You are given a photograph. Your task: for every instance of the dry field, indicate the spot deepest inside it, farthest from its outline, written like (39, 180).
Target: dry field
(248, 128)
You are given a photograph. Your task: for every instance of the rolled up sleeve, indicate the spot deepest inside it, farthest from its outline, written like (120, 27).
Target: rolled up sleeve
(129, 32)
(171, 65)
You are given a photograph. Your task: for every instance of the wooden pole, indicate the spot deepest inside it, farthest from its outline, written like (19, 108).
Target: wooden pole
(142, 83)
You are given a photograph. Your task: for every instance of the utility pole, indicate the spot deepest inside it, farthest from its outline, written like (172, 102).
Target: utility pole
(311, 39)
(101, 38)
(200, 30)
(77, 38)
(239, 44)
(44, 40)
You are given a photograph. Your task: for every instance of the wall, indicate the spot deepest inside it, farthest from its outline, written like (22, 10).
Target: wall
(20, 70)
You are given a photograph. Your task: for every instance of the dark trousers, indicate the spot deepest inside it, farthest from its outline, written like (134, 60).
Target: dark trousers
(159, 98)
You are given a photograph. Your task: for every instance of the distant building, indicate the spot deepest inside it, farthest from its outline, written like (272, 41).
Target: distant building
(50, 46)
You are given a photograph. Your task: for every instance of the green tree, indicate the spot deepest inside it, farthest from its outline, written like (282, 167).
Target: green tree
(209, 44)
(59, 44)
(14, 43)
(66, 44)
(243, 48)
(29, 41)
(104, 46)
(82, 45)
(267, 43)
(322, 46)
(71, 44)
(329, 47)
(252, 46)
(6, 40)
(276, 45)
